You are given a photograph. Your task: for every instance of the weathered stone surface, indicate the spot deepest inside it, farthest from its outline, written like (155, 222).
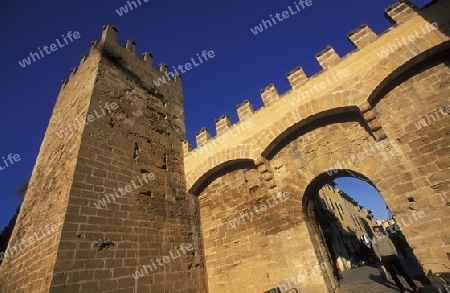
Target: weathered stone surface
(372, 133)
(142, 135)
(243, 199)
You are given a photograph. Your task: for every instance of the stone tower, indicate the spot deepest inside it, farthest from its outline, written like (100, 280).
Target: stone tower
(107, 196)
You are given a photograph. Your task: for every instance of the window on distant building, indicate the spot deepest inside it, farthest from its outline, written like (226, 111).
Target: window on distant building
(332, 205)
(354, 221)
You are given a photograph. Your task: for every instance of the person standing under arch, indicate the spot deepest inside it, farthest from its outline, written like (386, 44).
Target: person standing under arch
(387, 253)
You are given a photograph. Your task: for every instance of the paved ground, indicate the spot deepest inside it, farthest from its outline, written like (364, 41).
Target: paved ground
(367, 279)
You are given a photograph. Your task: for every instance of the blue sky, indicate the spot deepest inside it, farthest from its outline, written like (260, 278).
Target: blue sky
(366, 195)
(174, 31)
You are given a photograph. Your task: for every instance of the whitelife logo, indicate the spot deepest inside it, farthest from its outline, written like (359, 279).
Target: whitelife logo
(187, 66)
(282, 197)
(123, 191)
(313, 271)
(71, 127)
(53, 47)
(435, 116)
(281, 16)
(233, 132)
(401, 222)
(24, 243)
(124, 9)
(376, 146)
(390, 48)
(318, 87)
(185, 248)
(11, 158)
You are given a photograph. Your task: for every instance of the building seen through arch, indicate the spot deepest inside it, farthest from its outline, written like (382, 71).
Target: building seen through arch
(344, 223)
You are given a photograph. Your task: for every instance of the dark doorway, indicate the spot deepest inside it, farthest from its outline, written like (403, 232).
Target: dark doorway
(342, 209)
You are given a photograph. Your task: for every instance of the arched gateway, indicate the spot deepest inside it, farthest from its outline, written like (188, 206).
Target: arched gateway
(385, 119)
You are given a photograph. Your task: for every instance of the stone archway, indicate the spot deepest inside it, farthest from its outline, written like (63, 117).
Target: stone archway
(293, 144)
(307, 192)
(323, 251)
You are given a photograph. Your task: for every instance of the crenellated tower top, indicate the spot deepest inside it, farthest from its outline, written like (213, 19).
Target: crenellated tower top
(126, 55)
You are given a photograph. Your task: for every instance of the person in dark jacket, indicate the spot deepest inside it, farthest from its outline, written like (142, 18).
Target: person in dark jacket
(400, 243)
(387, 253)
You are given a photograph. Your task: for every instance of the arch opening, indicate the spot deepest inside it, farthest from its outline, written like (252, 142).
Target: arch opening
(219, 171)
(340, 211)
(415, 65)
(333, 116)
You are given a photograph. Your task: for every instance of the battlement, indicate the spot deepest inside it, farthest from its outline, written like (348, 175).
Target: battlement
(126, 55)
(327, 58)
(401, 11)
(297, 77)
(362, 36)
(301, 85)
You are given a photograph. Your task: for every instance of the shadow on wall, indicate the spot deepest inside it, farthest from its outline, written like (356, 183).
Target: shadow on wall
(5, 235)
(402, 74)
